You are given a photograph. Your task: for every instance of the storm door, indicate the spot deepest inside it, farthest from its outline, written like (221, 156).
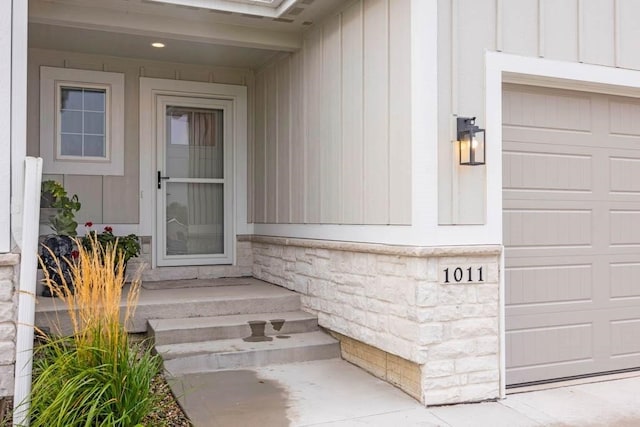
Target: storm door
(193, 223)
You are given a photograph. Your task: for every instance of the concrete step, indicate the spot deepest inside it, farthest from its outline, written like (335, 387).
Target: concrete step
(198, 329)
(237, 353)
(253, 296)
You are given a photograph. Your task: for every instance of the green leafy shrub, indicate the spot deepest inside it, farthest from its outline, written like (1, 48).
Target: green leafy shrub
(53, 195)
(127, 247)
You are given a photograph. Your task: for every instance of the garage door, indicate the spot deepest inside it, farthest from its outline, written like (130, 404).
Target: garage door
(571, 189)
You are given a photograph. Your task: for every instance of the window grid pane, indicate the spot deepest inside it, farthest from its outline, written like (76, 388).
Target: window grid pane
(83, 120)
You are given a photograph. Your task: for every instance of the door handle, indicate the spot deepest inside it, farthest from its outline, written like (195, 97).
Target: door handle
(160, 179)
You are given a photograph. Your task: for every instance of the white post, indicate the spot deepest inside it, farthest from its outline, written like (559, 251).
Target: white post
(27, 291)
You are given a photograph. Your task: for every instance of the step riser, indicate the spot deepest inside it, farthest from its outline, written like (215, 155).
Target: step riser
(168, 310)
(179, 336)
(215, 362)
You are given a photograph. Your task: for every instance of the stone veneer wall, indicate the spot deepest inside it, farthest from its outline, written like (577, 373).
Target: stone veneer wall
(9, 264)
(393, 298)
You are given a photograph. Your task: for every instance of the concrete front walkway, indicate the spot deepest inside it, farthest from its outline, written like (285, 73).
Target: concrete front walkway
(336, 393)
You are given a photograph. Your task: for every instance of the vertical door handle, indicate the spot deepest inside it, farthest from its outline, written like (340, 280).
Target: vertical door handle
(160, 179)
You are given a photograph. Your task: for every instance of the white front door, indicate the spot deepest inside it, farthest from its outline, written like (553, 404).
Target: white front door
(194, 189)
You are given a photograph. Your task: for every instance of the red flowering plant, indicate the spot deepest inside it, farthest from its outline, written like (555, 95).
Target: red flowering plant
(127, 246)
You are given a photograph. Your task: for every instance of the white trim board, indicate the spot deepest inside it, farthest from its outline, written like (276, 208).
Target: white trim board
(5, 126)
(150, 89)
(506, 68)
(18, 100)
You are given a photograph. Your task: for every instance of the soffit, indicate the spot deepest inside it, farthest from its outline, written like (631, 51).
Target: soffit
(81, 40)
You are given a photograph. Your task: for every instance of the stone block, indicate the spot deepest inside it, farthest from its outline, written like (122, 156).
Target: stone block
(438, 368)
(479, 392)
(404, 328)
(487, 345)
(488, 293)
(6, 273)
(442, 382)
(9, 259)
(7, 352)
(453, 294)
(6, 290)
(483, 377)
(426, 294)
(430, 333)
(7, 331)
(476, 364)
(442, 396)
(466, 328)
(452, 349)
(7, 310)
(6, 380)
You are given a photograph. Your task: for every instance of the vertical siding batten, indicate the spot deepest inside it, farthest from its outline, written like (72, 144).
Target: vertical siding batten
(352, 51)
(376, 112)
(271, 158)
(330, 118)
(628, 33)
(541, 28)
(559, 29)
(283, 132)
(616, 33)
(298, 157)
(312, 84)
(259, 150)
(399, 152)
(498, 5)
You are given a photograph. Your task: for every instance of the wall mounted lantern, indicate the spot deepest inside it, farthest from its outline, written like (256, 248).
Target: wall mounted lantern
(471, 141)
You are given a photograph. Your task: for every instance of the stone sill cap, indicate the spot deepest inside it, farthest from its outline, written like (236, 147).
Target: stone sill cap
(377, 248)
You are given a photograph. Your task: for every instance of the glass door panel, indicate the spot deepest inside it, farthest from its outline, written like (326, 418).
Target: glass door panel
(192, 183)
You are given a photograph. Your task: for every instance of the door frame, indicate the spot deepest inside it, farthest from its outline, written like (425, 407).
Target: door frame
(508, 68)
(150, 90)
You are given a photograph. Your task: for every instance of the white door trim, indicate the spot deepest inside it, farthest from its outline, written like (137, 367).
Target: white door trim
(506, 68)
(150, 89)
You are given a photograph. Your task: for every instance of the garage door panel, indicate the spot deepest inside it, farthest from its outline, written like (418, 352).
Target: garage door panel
(546, 171)
(547, 227)
(551, 140)
(624, 279)
(624, 227)
(624, 117)
(624, 174)
(548, 284)
(621, 345)
(547, 109)
(549, 345)
(571, 218)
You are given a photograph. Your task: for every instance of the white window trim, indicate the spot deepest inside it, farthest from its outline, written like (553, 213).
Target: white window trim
(51, 80)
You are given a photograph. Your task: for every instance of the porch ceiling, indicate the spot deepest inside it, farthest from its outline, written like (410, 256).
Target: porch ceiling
(82, 40)
(222, 22)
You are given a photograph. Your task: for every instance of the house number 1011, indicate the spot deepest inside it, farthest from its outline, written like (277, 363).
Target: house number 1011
(459, 274)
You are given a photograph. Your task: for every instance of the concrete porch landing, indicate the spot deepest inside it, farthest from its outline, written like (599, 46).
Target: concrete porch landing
(179, 300)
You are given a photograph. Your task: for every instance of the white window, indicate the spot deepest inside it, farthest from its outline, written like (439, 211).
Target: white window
(81, 122)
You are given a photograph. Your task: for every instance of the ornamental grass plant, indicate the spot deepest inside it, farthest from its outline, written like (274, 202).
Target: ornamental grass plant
(95, 377)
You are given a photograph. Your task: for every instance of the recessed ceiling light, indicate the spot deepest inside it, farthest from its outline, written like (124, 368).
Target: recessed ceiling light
(157, 44)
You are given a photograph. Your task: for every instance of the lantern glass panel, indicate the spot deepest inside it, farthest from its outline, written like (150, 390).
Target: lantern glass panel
(477, 149)
(465, 150)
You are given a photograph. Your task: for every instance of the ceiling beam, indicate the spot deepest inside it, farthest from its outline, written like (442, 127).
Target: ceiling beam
(92, 16)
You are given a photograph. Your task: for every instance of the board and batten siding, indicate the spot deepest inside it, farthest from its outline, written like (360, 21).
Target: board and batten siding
(114, 199)
(332, 127)
(600, 32)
